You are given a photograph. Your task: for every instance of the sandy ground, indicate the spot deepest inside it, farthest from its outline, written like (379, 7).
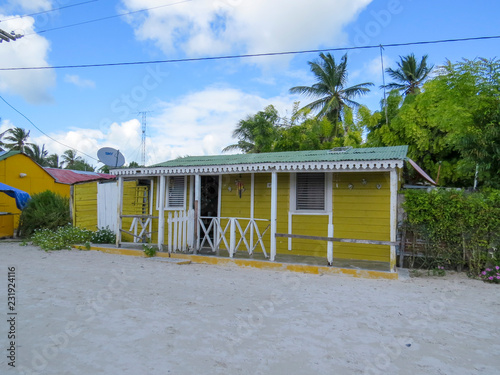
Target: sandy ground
(86, 312)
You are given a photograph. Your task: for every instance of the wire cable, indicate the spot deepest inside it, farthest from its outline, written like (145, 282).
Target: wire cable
(41, 131)
(48, 11)
(107, 18)
(229, 57)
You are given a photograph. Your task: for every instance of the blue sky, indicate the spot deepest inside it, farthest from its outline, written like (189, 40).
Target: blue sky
(193, 107)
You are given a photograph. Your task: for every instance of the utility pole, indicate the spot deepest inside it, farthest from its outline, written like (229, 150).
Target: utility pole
(5, 36)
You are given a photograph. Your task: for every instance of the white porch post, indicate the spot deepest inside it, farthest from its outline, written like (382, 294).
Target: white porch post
(252, 206)
(274, 212)
(161, 214)
(119, 212)
(197, 197)
(393, 216)
(329, 207)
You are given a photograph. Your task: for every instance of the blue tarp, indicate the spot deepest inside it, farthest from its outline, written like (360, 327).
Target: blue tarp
(20, 196)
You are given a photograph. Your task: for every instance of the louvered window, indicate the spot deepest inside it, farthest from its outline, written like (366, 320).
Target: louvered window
(175, 192)
(310, 191)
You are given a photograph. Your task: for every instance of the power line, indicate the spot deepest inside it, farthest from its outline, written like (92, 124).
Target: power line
(41, 131)
(48, 11)
(228, 57)
(108, 17)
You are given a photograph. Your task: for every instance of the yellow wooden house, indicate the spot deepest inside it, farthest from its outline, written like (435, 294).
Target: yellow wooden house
(20, 171)
(338, 204)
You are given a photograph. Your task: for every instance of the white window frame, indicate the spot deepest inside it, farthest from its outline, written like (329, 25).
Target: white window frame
(327, 197)
(167, 206)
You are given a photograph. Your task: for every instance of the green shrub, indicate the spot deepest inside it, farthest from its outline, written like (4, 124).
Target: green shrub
(149, 251)
(65, 237)
(459, 229)
(491, 275)
(46, 210)
(61, 238)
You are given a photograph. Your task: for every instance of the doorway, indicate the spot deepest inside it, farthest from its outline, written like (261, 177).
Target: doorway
(209, 203)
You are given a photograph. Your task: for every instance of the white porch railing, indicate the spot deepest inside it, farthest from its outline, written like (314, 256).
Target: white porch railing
(214, 234)
(180, 230)
(140, 228)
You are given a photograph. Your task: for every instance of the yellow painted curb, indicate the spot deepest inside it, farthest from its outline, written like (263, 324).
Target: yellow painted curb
(267, 265)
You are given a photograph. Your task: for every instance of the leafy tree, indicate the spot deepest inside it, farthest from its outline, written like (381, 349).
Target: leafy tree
(18, 139)
(39, 155)
(2, 144)
(452, 127)
(104, 169)
(81, 165)
(330, 91)
(133, 164)
(69, 158)
(409, 75)
(52, 161)
(316, 134)
(256, 133)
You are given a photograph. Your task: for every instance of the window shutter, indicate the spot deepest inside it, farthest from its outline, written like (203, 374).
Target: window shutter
(310, 192)
(176, 192)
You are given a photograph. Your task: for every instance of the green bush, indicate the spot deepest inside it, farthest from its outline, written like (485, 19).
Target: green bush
(61, 238)
(46, 210)
(459, 229)
(65, 237)
(149, 251)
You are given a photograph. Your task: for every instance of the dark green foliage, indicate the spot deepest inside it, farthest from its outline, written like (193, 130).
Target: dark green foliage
(459, 229)
(46, 210)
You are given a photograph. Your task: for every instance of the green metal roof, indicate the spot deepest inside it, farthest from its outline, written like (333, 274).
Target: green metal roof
(352, 154)
(7, 154)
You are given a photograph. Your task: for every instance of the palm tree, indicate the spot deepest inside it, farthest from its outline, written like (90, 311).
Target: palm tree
(330, 89)
(69, 158)
(256, 133)
(52, 161)
(409, 75)
(18, 138)
(39, 155)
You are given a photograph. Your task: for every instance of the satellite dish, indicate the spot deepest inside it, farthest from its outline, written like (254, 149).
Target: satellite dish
(111, 157)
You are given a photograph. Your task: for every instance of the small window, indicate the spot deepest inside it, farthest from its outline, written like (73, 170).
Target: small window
(175, 192)
(310, 191)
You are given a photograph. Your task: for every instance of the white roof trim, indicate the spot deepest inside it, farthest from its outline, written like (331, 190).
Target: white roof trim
(341, 166)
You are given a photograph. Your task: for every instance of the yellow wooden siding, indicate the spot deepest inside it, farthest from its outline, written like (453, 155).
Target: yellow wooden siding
(37, 180)
(85, 205)
(362, 212)
(309, 225)
(232, 205)
(135, 202)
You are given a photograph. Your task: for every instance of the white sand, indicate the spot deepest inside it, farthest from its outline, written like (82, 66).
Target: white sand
(85, 312)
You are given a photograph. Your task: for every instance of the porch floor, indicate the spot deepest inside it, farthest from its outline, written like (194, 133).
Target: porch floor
(355, 264)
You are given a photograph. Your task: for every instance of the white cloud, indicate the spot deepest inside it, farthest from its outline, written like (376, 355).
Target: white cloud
(202, 123)
(210, 27)
(32, 5)
(78, 81)
(29, 51)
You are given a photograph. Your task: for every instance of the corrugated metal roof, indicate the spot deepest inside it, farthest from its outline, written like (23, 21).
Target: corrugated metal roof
(68, 176)
(353, 154)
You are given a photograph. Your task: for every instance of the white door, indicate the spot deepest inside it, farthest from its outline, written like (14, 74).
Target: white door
(107, 205)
